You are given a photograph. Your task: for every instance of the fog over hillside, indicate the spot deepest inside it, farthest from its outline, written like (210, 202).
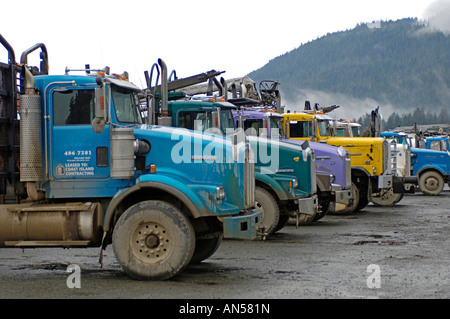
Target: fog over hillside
(397, 65)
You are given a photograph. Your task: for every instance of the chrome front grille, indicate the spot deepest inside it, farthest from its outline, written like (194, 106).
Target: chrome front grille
(348, 172)
(387, 161)
(313, 171)
(249, 177)
(408, 161)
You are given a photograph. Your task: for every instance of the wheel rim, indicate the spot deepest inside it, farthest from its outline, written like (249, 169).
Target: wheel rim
(387, 196)
(261, 208)
(432, 184)
(151, 242)
(355, 195)
(268, 217)
(387, 199)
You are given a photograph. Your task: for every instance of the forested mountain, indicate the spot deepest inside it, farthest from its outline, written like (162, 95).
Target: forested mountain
(403, 65)
(419, 116)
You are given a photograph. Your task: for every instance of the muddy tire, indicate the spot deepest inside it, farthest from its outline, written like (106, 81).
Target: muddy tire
(324, 208)
(388, 199)
(363, 199)
(153, 240)
(269, 207)
(431, 183)
(205, 248)
(284, 218)
(349, 209)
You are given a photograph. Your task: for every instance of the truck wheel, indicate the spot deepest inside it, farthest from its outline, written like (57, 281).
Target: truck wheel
(351, 208)
(431, 183)
(388, 199)
(205, 248)
(269, 207)
(324, 208)
(363, 199)
(284, 218)
(153, 240)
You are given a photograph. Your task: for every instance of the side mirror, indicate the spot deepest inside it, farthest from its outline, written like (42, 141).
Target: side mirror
(99, 121)
(215, 119)
(265, 130)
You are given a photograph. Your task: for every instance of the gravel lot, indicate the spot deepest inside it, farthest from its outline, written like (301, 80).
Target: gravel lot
(386, 253)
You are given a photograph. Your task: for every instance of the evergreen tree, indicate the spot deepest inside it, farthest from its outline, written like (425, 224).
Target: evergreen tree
(402, 63)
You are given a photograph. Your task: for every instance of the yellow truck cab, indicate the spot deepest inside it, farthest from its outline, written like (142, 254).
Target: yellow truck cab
(372, 175)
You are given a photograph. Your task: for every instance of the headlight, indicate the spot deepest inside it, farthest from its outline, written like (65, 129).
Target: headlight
(293, 183)
(313, 156)
(220, 192)
(342, 151)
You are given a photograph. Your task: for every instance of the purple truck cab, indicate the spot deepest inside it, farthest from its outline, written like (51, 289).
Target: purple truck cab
(332, 163)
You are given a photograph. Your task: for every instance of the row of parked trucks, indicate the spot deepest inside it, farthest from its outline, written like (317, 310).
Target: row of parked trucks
(164, 173)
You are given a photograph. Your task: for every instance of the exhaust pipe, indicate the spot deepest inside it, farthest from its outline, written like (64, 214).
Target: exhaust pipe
(224, 88)
(164, 118)
(31, 163)
(164, 88)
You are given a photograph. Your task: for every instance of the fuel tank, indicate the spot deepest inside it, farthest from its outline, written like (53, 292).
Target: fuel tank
(62, 225)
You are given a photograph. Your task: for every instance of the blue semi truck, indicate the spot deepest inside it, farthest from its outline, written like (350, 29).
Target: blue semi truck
(80, 168)
(438, 143)
(432, 167)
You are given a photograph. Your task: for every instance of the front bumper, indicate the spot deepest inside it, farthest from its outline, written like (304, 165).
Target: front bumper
(244, 226)
(308, 206)
(342, 196)
(399, 184)
(385, 181)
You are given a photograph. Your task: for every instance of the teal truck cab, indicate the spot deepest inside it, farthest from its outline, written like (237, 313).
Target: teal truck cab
(285, 173)
(80, 168)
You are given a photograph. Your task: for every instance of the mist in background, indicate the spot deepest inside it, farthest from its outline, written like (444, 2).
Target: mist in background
(438, 16)
(349, 107)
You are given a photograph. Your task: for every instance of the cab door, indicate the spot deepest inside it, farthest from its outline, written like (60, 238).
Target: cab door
(298, 129)
(76, 151)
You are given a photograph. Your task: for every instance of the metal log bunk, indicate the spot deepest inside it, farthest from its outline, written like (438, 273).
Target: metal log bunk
(9, 126)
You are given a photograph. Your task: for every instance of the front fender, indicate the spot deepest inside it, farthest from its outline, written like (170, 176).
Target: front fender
(323, 182)
(360, 171)
(426, 168)
(274, 185)
(187, 197)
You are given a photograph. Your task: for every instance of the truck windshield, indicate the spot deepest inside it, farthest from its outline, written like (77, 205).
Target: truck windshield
(325, 127)
(276, 127)
(355, 131)
(126, 105)
(226, 120)
(342, 131)
(205, 120)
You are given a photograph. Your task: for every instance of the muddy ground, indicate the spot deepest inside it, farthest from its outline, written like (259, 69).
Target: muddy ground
(387, 253)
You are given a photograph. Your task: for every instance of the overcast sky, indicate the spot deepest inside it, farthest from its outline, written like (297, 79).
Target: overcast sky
(191, 36)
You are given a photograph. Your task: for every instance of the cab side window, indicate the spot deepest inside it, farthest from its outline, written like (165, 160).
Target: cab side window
(300, 129)
(73, 107)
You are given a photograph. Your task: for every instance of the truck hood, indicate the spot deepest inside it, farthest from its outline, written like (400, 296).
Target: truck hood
(285, 160)
(195, 159)
(328, 160)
